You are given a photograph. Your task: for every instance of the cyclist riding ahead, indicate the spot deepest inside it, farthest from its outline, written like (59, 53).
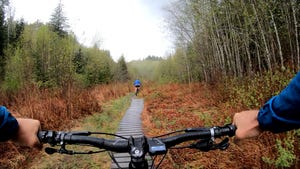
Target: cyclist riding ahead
(137, 84)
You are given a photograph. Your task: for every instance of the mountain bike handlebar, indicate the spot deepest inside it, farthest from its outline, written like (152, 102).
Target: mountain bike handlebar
(138, 147)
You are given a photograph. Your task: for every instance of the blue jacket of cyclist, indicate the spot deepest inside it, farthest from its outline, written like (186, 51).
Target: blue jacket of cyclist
(282, 112)
(8, 124)
(137, 83)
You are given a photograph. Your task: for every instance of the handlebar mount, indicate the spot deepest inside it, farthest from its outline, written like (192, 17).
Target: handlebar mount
(138, 147)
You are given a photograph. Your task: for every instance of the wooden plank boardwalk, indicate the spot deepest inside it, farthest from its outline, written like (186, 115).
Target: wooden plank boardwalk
(130, 125)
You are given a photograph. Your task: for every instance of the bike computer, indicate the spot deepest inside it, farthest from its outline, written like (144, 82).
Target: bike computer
(156, 146)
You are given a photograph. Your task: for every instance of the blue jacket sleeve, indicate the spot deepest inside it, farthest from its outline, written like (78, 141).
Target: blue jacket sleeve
(282, 112)
(8, 125)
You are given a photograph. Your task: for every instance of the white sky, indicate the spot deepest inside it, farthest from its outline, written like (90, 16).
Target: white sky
(133, 28)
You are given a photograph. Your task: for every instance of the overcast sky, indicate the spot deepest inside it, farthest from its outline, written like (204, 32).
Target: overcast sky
(133, 28)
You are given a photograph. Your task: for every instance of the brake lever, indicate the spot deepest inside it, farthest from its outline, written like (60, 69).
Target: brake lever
(223, 145)
(206, 145)
(50, 150)
(62, 150)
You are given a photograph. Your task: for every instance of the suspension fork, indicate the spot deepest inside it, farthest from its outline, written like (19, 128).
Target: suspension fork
(137, 153)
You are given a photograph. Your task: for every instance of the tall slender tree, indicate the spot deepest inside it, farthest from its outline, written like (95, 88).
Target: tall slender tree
(58, 21)
(235, 38)
(3, 37)
(122, 72)
(79, 61)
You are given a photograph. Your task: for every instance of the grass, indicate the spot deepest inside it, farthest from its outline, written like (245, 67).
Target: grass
(106, 121)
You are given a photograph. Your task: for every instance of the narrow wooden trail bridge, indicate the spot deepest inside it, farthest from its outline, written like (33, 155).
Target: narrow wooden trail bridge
(130, 125)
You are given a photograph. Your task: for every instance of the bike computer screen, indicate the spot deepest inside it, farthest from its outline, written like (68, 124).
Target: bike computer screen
(156, 147)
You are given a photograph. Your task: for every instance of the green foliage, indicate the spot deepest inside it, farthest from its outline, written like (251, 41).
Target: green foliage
(180, 67)
(3, 39)
(168, 71)
(15, 77)
(110, 117)
(41, 42)
(157, 122)
(15, 30)
(206, 118)
(121, 73)
(48, 55)
(58, 21)
(49, 60)
(153, 58)
(228, 120)
(233, 38)
(297, 132)
(62, 69)
(10, 35)
(285, 153)
(99, 66)
(52, 55)
(79, 62)
(143, 69)
(252, 92)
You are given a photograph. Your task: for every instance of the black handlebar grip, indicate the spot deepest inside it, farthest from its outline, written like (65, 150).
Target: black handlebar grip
(232, 129)
(47, 136)
(228, 130)
(41, 136)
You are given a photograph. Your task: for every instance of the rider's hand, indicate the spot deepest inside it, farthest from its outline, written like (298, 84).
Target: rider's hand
(27, 133)
(247, 124)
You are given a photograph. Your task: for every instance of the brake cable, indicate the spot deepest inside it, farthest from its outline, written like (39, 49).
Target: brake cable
(113, 158)
(170, 133)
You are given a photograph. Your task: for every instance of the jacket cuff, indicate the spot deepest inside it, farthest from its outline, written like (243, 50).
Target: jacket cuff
(268, 120)
(264, 117)
(9, 126)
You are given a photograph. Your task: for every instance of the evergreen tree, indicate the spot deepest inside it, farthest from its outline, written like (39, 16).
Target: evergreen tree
(122, 72)
(3, 37)
(58, 21)
(79, 62)
(16, 32)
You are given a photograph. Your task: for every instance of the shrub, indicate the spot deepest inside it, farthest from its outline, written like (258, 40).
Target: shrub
(285, 152)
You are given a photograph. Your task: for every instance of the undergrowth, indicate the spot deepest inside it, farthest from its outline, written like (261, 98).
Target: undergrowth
(285, 156)
(106, 121)
(55, 109)
(177, 106)
(251, 92)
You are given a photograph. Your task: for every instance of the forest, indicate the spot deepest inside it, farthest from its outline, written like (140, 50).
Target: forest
(240, 52)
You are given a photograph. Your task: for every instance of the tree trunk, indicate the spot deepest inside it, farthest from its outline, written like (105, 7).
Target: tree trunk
(289, 30)
(216, 40)
(278, 42)
(296, 33)
(264, 40)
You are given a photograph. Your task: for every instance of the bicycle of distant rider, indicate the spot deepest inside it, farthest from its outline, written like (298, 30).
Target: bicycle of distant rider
(137, 90)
